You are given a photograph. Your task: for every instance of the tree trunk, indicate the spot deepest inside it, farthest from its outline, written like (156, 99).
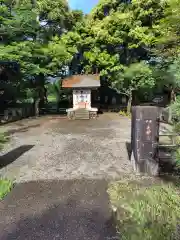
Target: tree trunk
(36, 107)
(129, 104)
(173, 96)
(57, 93)
(58, 104)
(172, 99)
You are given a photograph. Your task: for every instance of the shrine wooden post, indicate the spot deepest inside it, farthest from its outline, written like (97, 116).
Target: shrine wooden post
(145, 139)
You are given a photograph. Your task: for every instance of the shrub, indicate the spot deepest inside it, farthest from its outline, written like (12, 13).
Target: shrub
(5, 187)
(145, 212)
(177, 159)
(175, 109)
(176, 129)
(125, 114)
(3, 139)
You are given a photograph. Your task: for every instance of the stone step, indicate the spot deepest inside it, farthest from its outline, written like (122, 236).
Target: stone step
(81, 118)
(81, 111)
(82, 114)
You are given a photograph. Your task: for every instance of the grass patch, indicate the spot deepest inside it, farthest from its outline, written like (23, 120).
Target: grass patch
(52, 98)
(5, 187)
(125, 114)
(145, 213)
(3, 139)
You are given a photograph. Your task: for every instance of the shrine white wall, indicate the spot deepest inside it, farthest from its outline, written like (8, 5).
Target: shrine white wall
(82, 96)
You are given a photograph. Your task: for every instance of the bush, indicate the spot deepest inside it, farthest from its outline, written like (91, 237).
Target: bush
(5, 187)
(3, 139)
(177, 157)
(175, 109)
(176, 129)
(145, 212)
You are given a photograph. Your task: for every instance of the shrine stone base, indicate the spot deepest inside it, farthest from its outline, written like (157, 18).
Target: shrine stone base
(82, 113)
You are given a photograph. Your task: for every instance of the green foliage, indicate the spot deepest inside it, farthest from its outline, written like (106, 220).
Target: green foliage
(168, 41)
(106, 62)
(53, 91)
(175, 108)
(175, 111)
(52, 98)
(125, 114)
(57, 55)
(77, 18)
(5, 187)
(3, 139)
(16, 21)
(31, 36)
(174, 72)
(177, 158)
(134, 77)
(176, 128)
(117, 39)
(55, 16)
(145, 212)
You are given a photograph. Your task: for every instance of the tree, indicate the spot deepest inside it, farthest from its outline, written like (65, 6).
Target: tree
(17, 24)
(115, 40)
(9, 83)
(45, 37)
(18, 21)
(168, 41)
(56, 18)
(116, 34)
(31, 35)
(135, 77)
(174, 74)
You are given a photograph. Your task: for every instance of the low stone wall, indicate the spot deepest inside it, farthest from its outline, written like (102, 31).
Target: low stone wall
(16, 113)
(110, 108)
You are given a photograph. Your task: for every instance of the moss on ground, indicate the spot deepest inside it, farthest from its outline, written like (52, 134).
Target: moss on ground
(145, 213)
(5, 187)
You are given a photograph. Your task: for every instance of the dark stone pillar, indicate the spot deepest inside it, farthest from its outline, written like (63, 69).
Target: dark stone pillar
(144, 139)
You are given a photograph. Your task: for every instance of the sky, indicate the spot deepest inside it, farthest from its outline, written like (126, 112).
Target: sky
(84, 5)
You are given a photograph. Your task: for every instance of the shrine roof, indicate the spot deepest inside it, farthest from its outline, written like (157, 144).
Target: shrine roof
(81, 81)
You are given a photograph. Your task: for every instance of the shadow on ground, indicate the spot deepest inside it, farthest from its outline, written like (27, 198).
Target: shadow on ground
(129, 150)
(22, 129)
(67, 210)
(11, 156)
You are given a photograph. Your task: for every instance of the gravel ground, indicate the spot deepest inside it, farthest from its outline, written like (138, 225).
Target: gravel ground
(57, 209)
(53, 148)
(60, 167)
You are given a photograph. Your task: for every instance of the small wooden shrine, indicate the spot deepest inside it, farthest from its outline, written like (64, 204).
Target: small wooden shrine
(82, 85)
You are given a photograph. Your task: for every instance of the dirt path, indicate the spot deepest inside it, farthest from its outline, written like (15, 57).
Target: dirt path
(57, 149)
